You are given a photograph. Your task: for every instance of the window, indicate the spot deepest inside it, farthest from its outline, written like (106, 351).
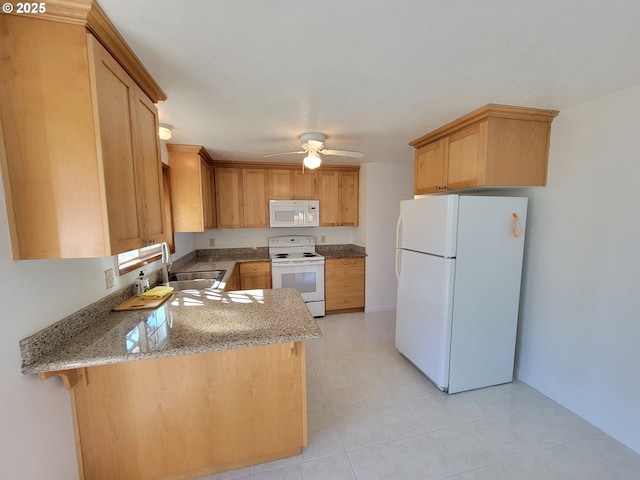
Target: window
(134, 259)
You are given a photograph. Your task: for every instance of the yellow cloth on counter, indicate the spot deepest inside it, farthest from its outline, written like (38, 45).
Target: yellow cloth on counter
(156, 293)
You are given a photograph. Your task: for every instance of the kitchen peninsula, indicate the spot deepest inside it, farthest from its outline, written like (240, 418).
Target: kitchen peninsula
(209, 381)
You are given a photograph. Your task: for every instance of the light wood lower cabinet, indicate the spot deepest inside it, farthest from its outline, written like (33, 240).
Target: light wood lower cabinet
(192, 415)
(255, 275)
(344, 284)
(234, 280)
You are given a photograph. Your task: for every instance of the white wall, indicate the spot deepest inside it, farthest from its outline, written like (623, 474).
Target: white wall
(384, 185)
(579, 336)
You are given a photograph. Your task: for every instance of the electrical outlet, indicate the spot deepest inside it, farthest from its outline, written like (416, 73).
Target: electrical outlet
(212, 242)
(323, 239)
(109, 278)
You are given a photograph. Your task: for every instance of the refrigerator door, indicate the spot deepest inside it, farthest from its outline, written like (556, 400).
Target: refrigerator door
(429, 225)
(491, 237)
(423, 314)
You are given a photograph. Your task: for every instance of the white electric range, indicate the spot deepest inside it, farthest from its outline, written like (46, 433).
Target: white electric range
(295, 264)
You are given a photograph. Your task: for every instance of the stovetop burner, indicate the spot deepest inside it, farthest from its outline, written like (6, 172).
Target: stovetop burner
(294, 249)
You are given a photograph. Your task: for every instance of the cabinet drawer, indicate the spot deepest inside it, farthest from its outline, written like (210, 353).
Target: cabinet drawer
(344, 267)
(344, 262)
(255, 267)
(347, 284)
(344, 272)
(344, 301)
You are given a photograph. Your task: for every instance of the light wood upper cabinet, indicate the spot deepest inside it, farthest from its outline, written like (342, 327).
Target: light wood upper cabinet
(255, 205)
(243, 191)
(292, 184)
(241, 197)
(305, 184)
(280, 184)
(429, 167)
(80, 152)
(147, 156)
(229, 197)
(192, 188)
(338, 198)
(496, 145)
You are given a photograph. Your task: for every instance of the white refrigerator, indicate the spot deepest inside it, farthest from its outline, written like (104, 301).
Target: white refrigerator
(459, 267)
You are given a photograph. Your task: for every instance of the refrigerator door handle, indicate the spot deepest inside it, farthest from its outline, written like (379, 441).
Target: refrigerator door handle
(397, 268)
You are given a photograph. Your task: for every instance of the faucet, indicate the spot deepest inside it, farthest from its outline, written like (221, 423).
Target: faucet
(166, 262)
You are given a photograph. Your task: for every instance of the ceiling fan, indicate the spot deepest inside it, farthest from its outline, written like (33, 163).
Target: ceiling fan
(313, 146)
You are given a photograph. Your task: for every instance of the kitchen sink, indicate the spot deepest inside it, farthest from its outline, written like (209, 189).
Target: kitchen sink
(195, 280)
(207, 274)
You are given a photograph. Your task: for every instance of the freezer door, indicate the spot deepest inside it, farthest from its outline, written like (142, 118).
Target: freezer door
(423, 313)
(429, 225)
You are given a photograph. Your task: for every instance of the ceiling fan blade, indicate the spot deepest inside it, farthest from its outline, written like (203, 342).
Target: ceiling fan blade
(342, 153)
(285, 153)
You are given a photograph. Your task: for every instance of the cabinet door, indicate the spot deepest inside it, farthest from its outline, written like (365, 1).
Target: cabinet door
(280, 184)
(348, 213)
(234, 280)
(329, 199)
(208, 196)
(465, 157)
(255, 275)
(305, 185)
(429, 168)
(228, 183)
(113, 101)
(255, 281)
(344, 283)
(147, 158)
(254, 195)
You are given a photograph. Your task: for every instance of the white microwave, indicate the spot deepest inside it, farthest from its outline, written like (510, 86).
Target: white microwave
(294, 213)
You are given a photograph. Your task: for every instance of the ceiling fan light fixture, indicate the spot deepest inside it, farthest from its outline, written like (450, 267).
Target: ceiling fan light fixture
(164, 131)
(312, 160)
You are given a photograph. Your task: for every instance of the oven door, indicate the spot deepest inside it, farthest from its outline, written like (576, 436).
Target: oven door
(308, 278)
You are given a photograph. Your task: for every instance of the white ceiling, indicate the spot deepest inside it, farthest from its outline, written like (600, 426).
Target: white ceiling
(246, 77)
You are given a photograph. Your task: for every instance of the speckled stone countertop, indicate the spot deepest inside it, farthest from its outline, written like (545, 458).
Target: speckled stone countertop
(341, 251)
(95, 335)
(226, 258)
(194, 321)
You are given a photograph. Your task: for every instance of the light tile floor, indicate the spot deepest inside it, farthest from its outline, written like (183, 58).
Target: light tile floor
(372, 415)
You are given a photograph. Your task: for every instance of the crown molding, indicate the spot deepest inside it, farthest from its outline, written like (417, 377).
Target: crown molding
(490, 110)
(89, 14)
